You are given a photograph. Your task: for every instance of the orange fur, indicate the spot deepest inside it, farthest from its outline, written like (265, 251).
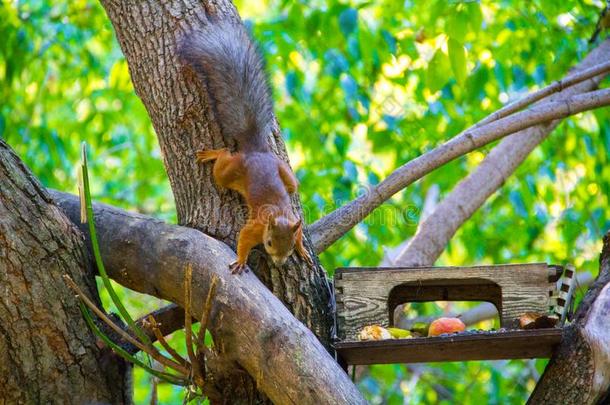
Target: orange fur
(265, 182)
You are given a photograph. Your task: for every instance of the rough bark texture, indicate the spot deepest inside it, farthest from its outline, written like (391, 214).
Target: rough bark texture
(47, 352)
(250, 326)
(183, 117)
(470, 194)
(579, 372)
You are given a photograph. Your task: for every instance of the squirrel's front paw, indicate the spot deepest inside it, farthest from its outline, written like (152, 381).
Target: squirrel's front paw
(238, 268)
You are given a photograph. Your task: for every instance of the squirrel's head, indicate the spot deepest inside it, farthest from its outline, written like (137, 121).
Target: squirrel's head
(278, 238)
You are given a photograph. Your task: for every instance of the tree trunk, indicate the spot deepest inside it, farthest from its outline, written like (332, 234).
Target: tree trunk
(183, 118)
(47, 352)
(579, 372)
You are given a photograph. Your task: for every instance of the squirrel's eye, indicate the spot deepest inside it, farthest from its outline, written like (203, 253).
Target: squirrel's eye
(269, 243)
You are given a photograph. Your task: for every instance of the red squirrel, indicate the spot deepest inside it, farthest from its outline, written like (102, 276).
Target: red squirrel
(227, 61)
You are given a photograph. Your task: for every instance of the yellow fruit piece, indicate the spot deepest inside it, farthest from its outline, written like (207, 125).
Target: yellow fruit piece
(374, 332)
(398, 333)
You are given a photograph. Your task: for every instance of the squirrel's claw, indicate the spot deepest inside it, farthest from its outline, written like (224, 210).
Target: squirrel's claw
(238, 268)
(203, 156)
(305, 256)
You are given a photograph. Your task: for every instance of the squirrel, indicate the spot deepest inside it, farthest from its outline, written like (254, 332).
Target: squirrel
(228, 62)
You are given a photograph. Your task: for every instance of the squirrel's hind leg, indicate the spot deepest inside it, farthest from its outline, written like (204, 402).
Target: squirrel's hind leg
(229, 171)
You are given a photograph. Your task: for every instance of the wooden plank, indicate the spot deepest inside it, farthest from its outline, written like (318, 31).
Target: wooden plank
(533, 272)
(368, 296)
(517, 344)
(347, 270)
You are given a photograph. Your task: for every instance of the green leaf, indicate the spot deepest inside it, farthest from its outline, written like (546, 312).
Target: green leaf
(438, 71)
(350, 170)
(475, 16)
(457, 25)
(457, 57)
(341, 144)
(516, 200)
(98, 257)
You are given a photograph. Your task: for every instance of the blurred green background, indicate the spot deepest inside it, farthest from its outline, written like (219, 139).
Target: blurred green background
(360, 87)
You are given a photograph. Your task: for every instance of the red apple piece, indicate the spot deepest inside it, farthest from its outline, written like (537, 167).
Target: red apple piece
(446, 325)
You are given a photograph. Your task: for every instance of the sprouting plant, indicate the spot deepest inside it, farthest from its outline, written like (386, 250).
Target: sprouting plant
(175, 369)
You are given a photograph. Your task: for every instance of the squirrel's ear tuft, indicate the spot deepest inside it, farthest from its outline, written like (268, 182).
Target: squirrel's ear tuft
(297, 225)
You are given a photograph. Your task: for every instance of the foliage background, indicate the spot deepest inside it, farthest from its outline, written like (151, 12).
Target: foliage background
(360, 87)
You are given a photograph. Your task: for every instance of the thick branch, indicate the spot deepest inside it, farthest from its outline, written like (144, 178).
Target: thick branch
(330, 228)
(249, 325)
(436, 230)
(578, 372)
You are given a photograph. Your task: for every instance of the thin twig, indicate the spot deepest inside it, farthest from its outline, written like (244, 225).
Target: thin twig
(205, 313)
(169, 318)
(188, 332)
(86, 196)
(161, 339)
(154, 353)
(154, 399)
(554, 87)
(188, 271)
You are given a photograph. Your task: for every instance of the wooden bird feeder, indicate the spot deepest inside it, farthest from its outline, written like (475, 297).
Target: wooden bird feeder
(369, 296)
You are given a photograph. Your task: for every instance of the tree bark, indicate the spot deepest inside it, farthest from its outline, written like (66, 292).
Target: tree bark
(250, 326)
(579, 372)
(47, 352)
(183, 117)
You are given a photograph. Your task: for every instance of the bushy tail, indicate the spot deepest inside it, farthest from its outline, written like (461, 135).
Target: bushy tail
(229, 63)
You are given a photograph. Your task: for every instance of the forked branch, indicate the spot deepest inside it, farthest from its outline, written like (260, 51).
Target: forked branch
(334, 225)
(469, 194)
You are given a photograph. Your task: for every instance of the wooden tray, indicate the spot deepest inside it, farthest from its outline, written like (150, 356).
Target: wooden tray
(513, 344)
(368, 296)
